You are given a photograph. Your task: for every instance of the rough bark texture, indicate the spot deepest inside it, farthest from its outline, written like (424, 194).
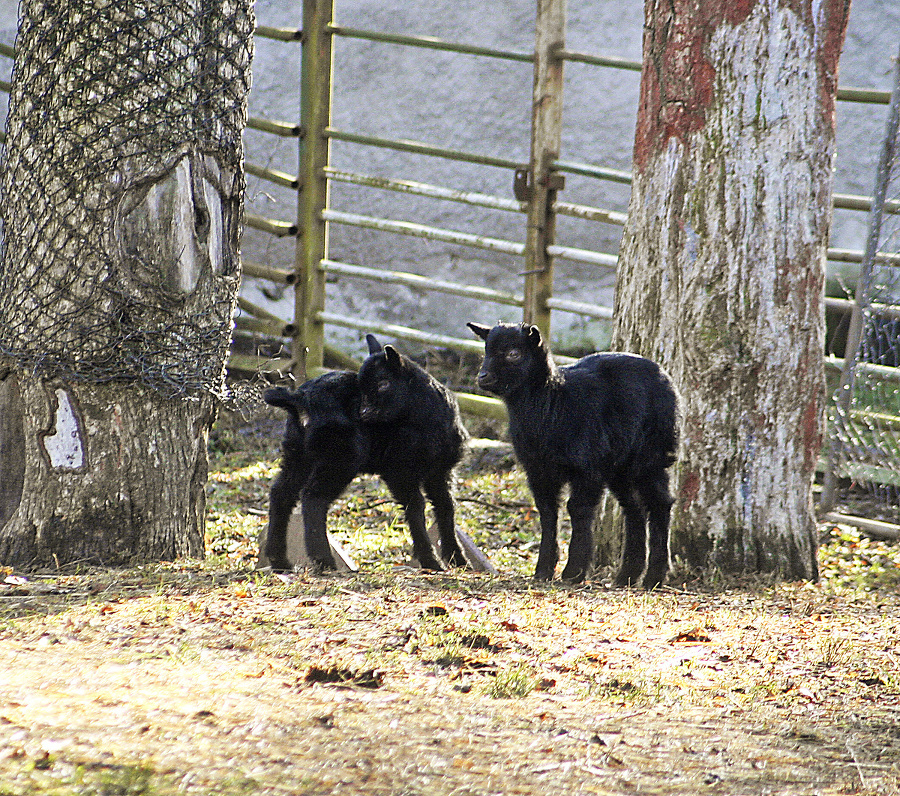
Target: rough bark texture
(122, 195)
(722, 267)
(112, 474)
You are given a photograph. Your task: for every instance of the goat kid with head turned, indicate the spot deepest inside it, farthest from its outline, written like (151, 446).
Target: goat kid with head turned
(415, 424)
(607, 420)
(392, 420)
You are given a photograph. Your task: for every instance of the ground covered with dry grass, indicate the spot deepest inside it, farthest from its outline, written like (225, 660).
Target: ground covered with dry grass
(210, 677)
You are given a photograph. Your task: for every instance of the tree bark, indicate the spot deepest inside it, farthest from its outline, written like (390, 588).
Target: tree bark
(722, 267)
(112, 474)
(119, 270)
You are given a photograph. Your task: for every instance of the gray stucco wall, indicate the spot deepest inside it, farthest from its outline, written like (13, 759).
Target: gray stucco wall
(481, 105)
(469, 103)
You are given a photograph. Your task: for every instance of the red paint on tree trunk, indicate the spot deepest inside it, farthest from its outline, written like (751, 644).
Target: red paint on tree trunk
(812, 433)
(690, 488)
(834, 16)
(677, 80)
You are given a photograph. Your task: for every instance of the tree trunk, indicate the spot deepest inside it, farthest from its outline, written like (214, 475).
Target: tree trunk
(112, 474)
(722, 266)
(119, 270)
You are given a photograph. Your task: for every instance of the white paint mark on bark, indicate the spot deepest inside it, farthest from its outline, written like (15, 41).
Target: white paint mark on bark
(63, 445)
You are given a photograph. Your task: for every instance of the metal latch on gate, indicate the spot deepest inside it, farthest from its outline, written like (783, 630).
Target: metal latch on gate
(523, 184)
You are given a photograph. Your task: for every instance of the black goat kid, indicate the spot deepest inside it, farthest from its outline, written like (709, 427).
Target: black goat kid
(606, 420)
(414, 421)
(329, 439)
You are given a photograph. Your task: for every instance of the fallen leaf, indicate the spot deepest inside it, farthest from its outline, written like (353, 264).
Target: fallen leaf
(808, 693)
(694, 636)
(370, 678)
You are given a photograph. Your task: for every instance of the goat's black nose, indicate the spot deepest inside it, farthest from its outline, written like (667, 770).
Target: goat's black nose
(486, 378)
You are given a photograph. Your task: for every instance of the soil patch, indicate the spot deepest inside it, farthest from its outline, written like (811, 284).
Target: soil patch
(210, 677)
(182, 681)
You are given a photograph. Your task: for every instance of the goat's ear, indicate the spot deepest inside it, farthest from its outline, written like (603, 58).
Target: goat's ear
(479, 329)
(393, 358)
(374, 345)
(534, 336)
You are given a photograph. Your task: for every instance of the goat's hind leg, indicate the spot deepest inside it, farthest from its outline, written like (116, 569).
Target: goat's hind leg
(634, 547)
(582, 506)
(437, 490)
(283, 497)
(325, 485)
(658, 500)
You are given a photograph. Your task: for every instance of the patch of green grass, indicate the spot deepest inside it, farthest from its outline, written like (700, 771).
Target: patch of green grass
(58, 777)
(851, 561)
(514, 682)
(237, 503)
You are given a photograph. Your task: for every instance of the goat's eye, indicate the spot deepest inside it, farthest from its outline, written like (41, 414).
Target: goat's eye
(514, 355)
(384, 386)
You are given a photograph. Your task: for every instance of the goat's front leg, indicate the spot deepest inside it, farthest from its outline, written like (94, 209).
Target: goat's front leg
(437, 490)
(546, 498)
(405, 489)
(582, 506)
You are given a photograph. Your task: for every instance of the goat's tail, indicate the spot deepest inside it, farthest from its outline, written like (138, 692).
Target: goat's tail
(285, 399)
(668, 422)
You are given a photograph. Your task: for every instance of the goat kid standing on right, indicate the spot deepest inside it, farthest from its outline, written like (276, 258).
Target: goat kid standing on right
(606, 420)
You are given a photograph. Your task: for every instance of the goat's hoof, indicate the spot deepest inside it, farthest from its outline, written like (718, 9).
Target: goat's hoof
(574, 574)
(322, 565)
(457, 559)
(626, 581)
(543, 574)
(432, 564)
(281, 565)
(653, 581)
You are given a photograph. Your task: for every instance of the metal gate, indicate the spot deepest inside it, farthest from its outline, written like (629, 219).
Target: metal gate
(864, 422)
(534, 189)
(534, 194)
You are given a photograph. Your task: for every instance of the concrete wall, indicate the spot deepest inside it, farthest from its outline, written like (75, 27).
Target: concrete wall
(481, 105)
(463, 102)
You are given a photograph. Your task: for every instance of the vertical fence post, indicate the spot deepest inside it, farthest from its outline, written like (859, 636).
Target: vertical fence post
(543, 183)
(312, 195)
(863, 296)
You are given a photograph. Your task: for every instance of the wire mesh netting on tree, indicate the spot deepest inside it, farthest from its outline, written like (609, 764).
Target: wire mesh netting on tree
(122, 190)
(865, 439)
